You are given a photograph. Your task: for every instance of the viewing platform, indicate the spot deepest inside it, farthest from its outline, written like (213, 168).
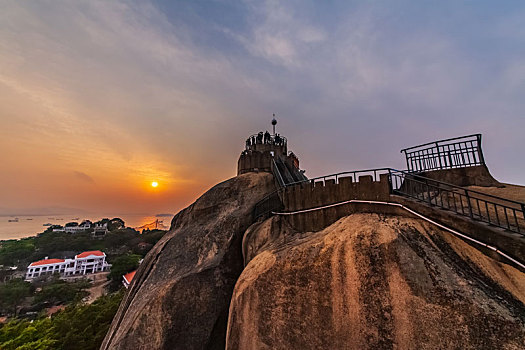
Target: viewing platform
(269, 152)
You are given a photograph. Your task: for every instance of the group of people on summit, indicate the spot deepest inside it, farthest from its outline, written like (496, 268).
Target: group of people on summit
(266, 138)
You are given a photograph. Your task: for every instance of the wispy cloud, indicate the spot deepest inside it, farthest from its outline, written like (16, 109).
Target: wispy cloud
(130, 92)
(83, 177)
(279, 34)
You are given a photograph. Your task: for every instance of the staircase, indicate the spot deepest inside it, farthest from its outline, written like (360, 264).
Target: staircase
(285, 173)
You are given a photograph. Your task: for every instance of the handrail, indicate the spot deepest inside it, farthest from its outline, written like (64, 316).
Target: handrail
(486, 208)
(442, 141)
(497, 211)
(392, 170)
(457, 187)
(271, 135)
(277, 174)
(457, 152)
(457, 233)
(283, 141)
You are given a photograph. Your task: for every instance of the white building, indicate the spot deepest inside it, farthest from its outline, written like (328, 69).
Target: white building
(100, 229)
(83, 227)
(82, 264)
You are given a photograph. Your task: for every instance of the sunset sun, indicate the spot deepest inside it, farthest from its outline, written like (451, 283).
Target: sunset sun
(154, 184)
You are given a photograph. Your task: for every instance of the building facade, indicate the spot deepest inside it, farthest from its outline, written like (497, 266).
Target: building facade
(100, 229)
(73, 227)
(82, 264)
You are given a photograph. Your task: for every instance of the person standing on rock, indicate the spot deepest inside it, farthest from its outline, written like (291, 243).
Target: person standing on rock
(267, 137)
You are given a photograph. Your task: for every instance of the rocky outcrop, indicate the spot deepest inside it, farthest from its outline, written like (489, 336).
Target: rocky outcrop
(372, 281)
(367, 281)
(467, 176)
(180, 295)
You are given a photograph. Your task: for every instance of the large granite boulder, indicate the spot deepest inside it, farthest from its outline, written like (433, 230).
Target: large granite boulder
(372, 281)
(180, 296)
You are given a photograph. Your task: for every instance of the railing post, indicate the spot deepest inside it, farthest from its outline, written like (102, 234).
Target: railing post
(480, 150)
(428, 192)
(523, 211)
(390, 185)
(469, 205)
(439, 156)
(406, 158)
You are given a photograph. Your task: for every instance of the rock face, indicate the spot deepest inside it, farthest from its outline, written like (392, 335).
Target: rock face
(368, 281)
(371, 281)
(180, 295)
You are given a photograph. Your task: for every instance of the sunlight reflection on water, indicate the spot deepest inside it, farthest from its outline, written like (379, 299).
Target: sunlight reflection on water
(31, 225)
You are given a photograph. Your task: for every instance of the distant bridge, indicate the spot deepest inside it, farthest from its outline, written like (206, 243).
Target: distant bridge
(155, 225)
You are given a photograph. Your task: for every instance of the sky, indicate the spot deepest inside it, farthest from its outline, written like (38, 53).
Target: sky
(100, 98)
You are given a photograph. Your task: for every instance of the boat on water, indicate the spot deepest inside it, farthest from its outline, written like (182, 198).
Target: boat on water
(29, 219)
(13, 220)
(48, 224)
(75, 219)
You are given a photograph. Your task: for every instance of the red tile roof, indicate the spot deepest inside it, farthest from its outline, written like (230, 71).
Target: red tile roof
(47, 261)
(92, 252)
(129, 276)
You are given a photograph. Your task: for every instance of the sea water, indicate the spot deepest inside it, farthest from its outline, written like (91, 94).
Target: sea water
(31, 225)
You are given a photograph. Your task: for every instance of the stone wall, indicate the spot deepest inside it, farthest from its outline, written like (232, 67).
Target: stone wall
(310, 195)
(317, 194)
(467, 176)
(254, 161)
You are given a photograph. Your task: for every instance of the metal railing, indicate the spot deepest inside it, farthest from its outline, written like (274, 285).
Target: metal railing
(493, 210)
(263, 138)
(457, 152)
(277, 174)
(267, 205)
(479, 206)
(273, 201)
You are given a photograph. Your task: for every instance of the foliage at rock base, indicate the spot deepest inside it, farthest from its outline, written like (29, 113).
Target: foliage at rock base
(77, 327)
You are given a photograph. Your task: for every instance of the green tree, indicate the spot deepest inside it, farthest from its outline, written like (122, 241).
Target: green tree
(85, 326)
(27, 335)
(13, 293)
(12, 251)
(115, 224)
(122, 265)
(81, 327)
(58, 291)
